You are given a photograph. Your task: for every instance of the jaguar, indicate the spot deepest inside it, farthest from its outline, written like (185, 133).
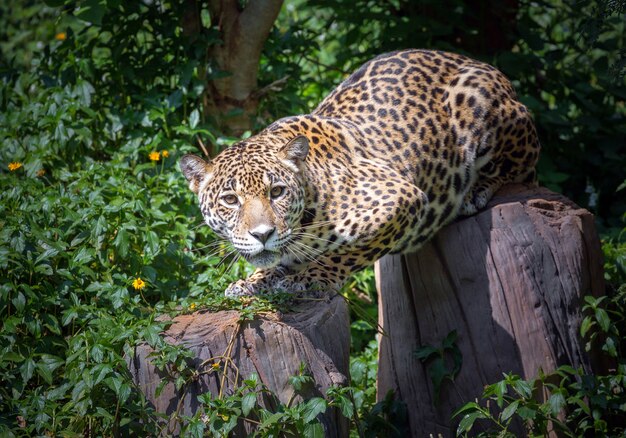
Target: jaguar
(403, 146)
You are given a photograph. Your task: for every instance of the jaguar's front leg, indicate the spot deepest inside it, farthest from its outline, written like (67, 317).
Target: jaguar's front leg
(327, 275)
(261, 281)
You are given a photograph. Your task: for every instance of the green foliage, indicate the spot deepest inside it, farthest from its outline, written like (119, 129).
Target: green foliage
(576, 403)
(253, 403)
(361, 294)
(357, 401)
(578, 104)
(89, 213)
(614, 250)
(443, 363)
(219, 416)
(72, 244)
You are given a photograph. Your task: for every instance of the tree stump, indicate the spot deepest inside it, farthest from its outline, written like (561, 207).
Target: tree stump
(274, 346)
(510, 280)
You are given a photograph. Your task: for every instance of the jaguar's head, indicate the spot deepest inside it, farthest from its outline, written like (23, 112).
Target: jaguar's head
(253, 195)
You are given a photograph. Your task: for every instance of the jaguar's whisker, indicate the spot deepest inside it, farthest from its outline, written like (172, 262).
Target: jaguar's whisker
(195, 227)
(210, 246)
(233, 261)
(293, 252)
(316, 224)
(223, 259)
(312, 237)
(311, 253)
(301, 254)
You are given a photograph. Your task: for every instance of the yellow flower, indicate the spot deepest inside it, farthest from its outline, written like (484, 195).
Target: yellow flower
(41, 172)
(224, 417)
(215, 366)
(192, 306)
(60, 36)
(14, 166)
(165, 154)
(154, 156)
(139, 284)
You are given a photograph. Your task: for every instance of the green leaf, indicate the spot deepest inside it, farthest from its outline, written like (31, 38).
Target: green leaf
(345, 405)
(119, 297)
(44, 269)
(50, 362)
(92, 11)
(96, 353)
(313, 408)
(499, 389)
(591, 301)
(78, 391)
(603, 319)
(68, 316)
(151, 334)
(586, 325)
(299, 381)
(152, 243)
(556, 402)
(45, 373)
(11, 356)
(509, 410)
(248, 402)
(526, 413)
(56, 3)
(122, 241)
(313, 430)
(101, 371)
(58, 392)
(450, 340)
(27, 369)
(274, 418)
(467, 422)
(84, 90)
(19, 301)
(467, 407)
(46, 255)
(252, 381)
(524, 388)
(124, 392)
(60, 133)
(609, 347)
(194, 118)
(425, 352)
(100, 227)
(84, 255)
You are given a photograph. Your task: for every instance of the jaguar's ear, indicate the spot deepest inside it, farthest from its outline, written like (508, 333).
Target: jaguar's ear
(196, 170)
(294, 152)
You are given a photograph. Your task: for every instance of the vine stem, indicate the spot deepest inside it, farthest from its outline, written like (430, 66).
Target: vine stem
(227, 353)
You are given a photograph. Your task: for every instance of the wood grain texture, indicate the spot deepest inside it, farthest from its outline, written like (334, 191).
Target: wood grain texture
(510, 280)
(273, 346)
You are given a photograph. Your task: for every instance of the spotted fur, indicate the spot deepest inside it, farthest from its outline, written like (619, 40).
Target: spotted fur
(403, 146)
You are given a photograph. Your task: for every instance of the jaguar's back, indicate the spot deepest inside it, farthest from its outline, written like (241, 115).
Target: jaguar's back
(431, 112)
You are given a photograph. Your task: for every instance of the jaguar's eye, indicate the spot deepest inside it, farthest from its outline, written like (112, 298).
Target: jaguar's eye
(277, 192)
(230, 199)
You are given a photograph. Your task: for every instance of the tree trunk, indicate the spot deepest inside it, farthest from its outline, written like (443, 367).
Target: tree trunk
(510, 280)
(231, 99)
(273, 346)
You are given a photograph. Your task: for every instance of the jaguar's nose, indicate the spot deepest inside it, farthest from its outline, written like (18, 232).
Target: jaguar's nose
(262, 233)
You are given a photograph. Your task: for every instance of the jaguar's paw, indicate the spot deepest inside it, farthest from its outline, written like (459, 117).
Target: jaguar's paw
(240, 288)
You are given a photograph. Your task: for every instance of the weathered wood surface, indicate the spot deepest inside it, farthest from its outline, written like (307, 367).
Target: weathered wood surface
(509, 280)
(272, 346)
